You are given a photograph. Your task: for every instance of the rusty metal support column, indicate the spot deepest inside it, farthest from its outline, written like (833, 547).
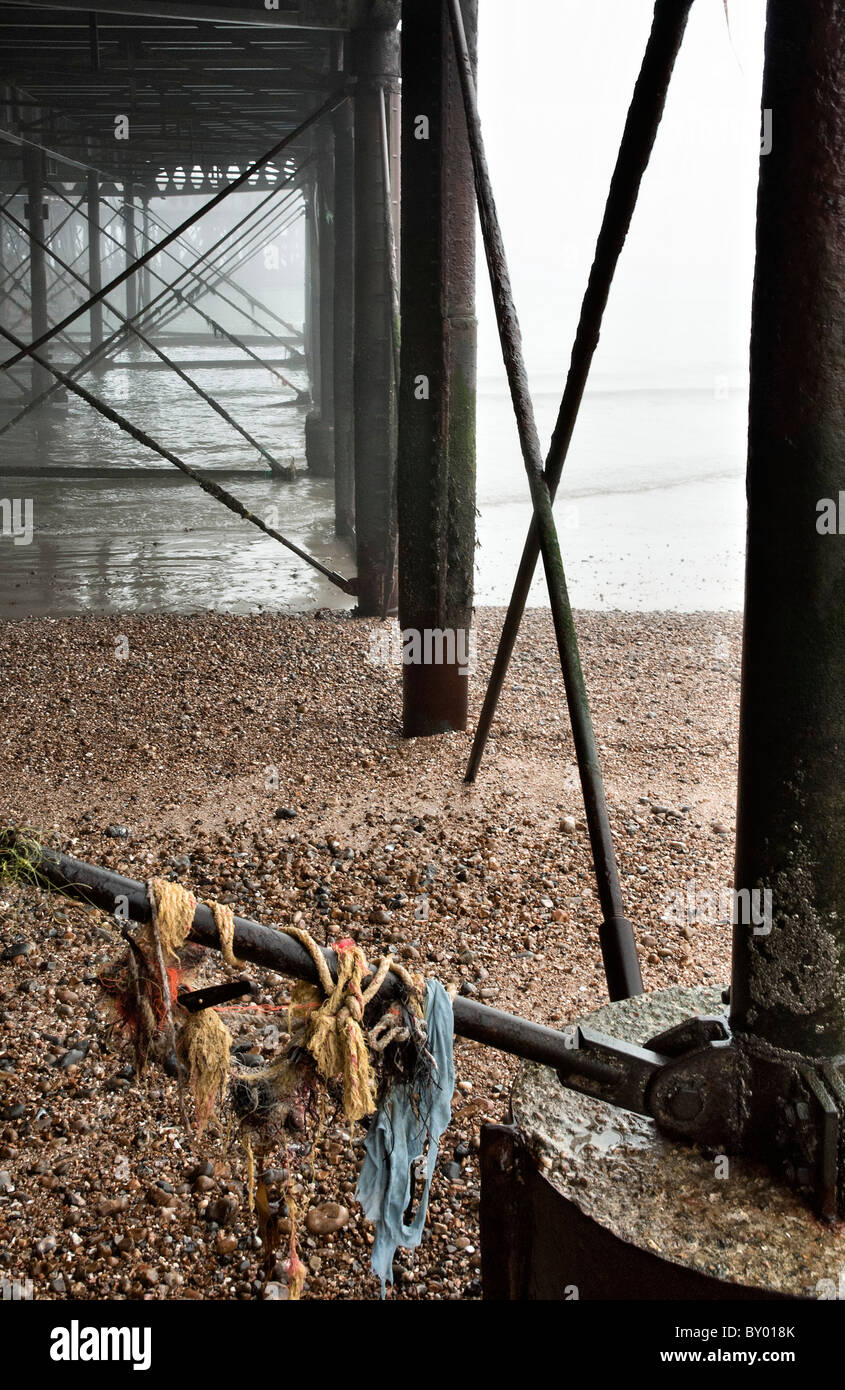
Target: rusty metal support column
(311, 325)
(319, 424)
(36, 212)
(789, 983)
(95, 276)
(144, 289)
(437, 393)
(131, 249)
(344, 319)
(375, 60)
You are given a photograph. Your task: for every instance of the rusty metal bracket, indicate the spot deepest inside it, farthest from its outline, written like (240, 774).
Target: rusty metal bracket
(734, 1093)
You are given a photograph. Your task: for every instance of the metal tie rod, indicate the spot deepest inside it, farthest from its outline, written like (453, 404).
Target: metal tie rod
(254, 303)
(107, 344)
(616, 935)
(16, 270)
(266, 225)
(324, 110)
(641, 125)
(213, 489)
(272, 463)
(213, 323)
(239, 309)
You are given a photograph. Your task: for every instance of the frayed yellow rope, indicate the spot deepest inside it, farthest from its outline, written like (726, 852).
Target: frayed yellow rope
(224, 921)
(206, 1045)
(173, 915)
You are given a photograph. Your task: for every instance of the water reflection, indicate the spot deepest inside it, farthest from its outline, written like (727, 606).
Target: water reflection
(118, 528)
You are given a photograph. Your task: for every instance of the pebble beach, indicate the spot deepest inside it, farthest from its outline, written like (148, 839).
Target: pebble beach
(258, 759)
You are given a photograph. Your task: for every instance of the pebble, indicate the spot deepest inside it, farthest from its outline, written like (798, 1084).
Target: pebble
(329, 855)
(110, 1206)
(159, 1198)
(222, 1210)
(274, 1292)
(72, 1058)
(326, 1219)
(18, 950)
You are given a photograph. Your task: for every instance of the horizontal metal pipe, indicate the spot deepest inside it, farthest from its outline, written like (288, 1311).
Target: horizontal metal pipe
(277, 951)
(286, 17)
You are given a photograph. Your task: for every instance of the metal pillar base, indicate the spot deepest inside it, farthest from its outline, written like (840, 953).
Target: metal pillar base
(584, 1200)
(319, 446)
(435, 700)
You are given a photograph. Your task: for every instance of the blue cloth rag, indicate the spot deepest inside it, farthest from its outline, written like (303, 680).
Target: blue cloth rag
(397, 1138)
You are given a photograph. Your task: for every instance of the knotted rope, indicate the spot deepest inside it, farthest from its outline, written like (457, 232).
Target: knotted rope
(335, 1034)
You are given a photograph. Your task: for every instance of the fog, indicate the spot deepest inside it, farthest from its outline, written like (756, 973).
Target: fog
(554, 87)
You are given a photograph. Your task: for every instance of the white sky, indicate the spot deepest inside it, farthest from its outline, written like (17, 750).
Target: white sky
(555, 80)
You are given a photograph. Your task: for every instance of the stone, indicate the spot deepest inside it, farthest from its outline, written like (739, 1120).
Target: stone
(72, 1058)
(222, 1211)
(326, 1219)
(110, 1206)
(17, 950)
(159, 1198)
(274, 1292)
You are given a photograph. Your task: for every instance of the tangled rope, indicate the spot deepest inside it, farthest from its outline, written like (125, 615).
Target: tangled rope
(333, 1031)
(335, 1034)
